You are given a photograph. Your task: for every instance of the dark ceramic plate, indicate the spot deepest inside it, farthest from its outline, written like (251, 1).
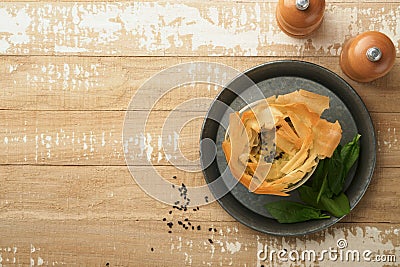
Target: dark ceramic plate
(276, 78)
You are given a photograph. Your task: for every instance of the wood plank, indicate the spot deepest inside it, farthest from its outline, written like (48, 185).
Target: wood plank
(98, 83)
(94, 193)
(176, 29)
(109, 242)
(94, 138)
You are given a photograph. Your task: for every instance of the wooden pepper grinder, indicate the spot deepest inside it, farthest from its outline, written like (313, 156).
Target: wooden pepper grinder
(368, 56)
(300, 18)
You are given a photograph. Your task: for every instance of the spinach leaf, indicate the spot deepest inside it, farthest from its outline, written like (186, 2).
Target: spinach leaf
(318, 175)
(324, 192)
(309, 196)
(320, 179)
(336, 172)
(340, 163)
(292, 212)
(350, 153)
(337, 206)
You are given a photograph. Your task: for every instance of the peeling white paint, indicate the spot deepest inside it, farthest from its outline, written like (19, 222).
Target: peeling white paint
(391, 141)
(233, 247)
(13, 67)
(212, 250)
(40, 261)
(41, 145)
(246, 29)
(4, 46)
(68, 49)
(179, 246)
(64, 77)
(377, 240)
(103, 140)
(149, 147)
(358, 238)
(188, 259)
(15, 26)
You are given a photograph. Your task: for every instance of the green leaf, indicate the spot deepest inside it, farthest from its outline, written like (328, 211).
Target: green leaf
(318, 175)
(309, 196)
(340, 163)
(338, 206)
(319, 179)
(325, 190)
(292, 212)
(336, 172)
(350, 153)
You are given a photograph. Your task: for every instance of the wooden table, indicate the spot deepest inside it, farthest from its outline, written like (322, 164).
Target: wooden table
(68, 72)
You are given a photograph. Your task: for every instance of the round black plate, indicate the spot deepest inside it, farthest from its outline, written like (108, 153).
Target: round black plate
(276, 78)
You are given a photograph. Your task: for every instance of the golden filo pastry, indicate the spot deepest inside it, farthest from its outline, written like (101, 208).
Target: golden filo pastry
(271, 166)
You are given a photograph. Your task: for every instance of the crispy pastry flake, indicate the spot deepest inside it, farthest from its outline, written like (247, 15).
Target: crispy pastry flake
(302, 137)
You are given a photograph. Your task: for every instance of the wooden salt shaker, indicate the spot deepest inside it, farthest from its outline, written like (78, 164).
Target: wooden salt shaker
(368, 56)
(300, 18)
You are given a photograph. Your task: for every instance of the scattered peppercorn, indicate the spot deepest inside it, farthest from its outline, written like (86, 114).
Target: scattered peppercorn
(209, 240)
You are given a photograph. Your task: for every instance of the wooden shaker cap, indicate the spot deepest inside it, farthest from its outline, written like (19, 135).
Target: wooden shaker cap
(300, 18)
(368, 56)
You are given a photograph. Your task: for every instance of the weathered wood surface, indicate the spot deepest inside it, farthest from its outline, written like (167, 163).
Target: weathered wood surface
(94, 137)
(68, 70)
(129, 242)
(104, 83)
(175, 29)
(95, 192)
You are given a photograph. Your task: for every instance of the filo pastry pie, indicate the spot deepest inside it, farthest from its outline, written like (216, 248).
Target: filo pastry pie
(302, 138)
